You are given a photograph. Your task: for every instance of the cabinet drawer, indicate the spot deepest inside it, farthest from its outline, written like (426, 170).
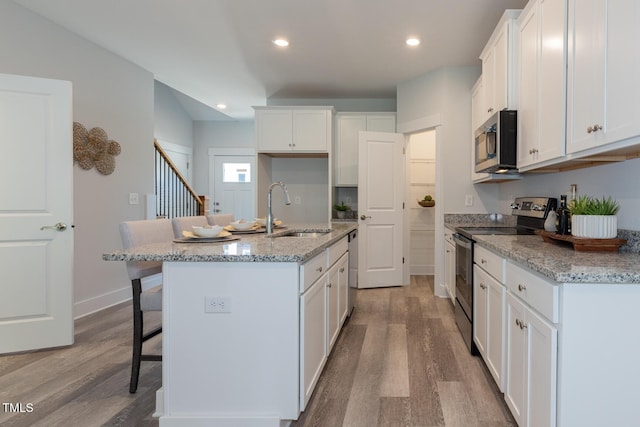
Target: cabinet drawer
(448, 236)
(492, 263)
(311, 270)
(540, 294)
(335, 251)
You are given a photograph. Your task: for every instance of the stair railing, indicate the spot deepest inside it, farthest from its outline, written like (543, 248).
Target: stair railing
(174, 195)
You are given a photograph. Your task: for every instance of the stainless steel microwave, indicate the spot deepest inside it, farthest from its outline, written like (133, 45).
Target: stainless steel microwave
(496, 143)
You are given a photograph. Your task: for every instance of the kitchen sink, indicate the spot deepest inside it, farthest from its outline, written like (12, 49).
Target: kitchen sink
(305, 234)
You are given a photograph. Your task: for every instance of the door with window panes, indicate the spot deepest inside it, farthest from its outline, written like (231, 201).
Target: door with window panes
(234, 184)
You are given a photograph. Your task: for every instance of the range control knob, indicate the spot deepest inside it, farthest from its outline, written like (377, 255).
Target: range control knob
(515, 206)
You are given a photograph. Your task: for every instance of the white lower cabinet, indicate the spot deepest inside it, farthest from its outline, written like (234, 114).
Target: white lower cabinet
(312, 338)
(332, 307)
(532, 349)
(337, 294)
(570, 349)
(530, 391)
(450, 266)
(323, 307)
(489, 311)
(488, 322)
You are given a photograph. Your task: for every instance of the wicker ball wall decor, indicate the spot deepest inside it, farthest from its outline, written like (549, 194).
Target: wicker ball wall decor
(93, 148)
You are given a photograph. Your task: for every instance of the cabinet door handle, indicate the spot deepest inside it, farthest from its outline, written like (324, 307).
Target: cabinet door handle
(594, 128)
(329, 285)
(483, 286)
(522, 288)
(342, 270)
(319, 269)
(483, 261)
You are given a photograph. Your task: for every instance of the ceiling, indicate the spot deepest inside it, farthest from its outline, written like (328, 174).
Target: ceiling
(220, 51)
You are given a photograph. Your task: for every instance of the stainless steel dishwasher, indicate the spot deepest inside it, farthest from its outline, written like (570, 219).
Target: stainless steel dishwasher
(353, 269)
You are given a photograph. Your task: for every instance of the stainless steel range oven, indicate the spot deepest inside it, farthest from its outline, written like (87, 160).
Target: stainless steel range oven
(531, 213)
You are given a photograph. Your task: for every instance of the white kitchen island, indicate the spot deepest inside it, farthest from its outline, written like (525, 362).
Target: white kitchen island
(254, 361)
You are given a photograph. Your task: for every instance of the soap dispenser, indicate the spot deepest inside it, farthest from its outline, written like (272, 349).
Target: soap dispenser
(550, 222)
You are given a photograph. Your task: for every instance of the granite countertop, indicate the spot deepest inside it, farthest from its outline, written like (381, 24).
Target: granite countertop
(561, 263)
(249, 248)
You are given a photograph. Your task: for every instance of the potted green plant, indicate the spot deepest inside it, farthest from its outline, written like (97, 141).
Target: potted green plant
(594, 218)
(427, 201)
(341, 210)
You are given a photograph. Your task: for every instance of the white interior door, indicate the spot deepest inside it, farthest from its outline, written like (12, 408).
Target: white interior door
(233, 185)
(381, 179)
(36, 190)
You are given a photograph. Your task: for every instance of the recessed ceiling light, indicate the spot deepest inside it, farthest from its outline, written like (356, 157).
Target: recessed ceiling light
(281, 42)
(413, 41)
(221, 106)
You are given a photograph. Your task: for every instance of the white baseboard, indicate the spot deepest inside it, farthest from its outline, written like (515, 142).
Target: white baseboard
(159, 403)
(109, 299)
(100, 302)
(422, 270)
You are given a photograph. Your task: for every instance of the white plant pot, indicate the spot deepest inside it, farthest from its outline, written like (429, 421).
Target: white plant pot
(594, 226)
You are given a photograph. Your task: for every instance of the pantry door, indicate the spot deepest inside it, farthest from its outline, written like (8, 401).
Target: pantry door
(36, 213)
(381, 188)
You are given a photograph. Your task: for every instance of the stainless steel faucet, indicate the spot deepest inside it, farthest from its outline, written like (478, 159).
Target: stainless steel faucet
(287, 201)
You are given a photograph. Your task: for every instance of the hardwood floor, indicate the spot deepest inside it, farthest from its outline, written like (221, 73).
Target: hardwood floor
(399, 361)
(86, 384)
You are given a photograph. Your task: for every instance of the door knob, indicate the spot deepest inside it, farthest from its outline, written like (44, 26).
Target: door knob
(363, 217)
(61, 226)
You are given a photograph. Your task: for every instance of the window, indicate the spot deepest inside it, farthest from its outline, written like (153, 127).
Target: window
(236, 172)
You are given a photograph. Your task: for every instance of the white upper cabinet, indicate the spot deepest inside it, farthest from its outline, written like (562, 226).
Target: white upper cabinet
(603, 73)
(348, 125)
(541, 59)
(300, 129)
(497, 68)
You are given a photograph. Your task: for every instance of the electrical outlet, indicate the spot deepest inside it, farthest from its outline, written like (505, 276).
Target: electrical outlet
(468, 200)
(348, 200)
(297, 200)
(134, 199)
(217, 304)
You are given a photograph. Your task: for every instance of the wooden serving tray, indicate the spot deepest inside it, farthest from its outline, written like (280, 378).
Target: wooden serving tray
(583, 244)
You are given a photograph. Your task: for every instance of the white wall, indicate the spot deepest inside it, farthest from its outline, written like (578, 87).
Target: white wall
(447, 92)
(171, 122)
(443, 98)
(619, 180)
(110, 93)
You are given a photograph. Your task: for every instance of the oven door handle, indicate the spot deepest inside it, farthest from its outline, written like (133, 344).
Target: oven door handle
(462, 241)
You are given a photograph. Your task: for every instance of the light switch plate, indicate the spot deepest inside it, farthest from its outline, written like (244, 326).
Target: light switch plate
(134, 199)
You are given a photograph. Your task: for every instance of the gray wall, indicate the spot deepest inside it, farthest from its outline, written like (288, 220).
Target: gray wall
(619, 180)
(108, 92)
(171, 122)
(447, 92)
(217, 135)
